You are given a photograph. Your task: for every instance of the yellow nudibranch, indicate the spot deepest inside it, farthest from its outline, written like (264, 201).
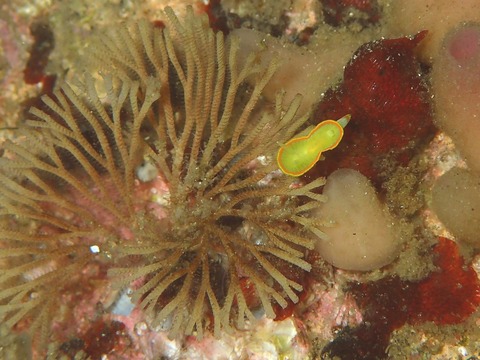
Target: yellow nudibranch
(299, 154)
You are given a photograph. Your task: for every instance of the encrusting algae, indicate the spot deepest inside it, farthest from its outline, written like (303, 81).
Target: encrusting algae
(176, 98)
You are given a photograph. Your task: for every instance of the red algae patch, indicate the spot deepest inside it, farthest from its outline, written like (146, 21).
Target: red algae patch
(386, 92)
(39, 53)
(451, 294)
(101, 339)
(447, 296)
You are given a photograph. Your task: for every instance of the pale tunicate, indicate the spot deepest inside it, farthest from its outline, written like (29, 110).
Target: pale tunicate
(456, 85)
(362, 235)
(456, 202)
(436, 16)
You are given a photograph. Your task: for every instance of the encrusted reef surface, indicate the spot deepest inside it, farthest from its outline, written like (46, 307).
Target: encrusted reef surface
(143, 211)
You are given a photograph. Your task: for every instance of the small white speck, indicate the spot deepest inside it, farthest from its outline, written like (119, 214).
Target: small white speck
(94, 249)
(140, 328)
(263, 160)
(163, 199)
(146, 172)
(462, 351)
(124, 305)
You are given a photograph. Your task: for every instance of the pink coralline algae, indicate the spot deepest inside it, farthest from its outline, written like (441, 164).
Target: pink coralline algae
(385, 91)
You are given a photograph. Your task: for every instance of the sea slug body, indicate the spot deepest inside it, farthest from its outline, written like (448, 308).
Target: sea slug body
(299, 154)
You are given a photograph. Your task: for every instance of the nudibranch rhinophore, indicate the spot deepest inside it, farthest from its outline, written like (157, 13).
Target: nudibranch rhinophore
(299, 154)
